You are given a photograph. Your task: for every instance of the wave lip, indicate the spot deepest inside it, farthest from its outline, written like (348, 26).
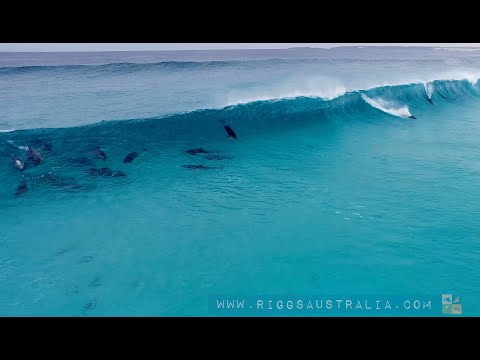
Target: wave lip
(326, 94)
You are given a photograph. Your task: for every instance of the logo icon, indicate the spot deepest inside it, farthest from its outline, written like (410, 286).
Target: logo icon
(451, 304)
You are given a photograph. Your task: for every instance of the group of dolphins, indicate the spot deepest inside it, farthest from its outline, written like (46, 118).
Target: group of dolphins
(35, 158)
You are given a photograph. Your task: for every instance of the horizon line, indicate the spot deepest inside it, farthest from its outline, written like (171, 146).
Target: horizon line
(431, 46)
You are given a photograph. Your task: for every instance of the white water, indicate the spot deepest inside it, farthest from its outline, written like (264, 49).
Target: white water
(323, 87)
(383, 105)
(428, 89)
(18, 146)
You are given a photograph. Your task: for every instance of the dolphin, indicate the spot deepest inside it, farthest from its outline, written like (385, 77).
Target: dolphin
(19, 164)
(230, 132)
(47, 146)
(196, 151)
(130, 157)
(430, 101)
(412, 117)
(34, 156)
(99, 153)
(21, 188)
(89, 306)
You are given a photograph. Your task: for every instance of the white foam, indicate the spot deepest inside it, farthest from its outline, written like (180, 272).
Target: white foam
(383, 105)
(326, 94)
(26, 148)
(459, 74)
(428, 89)
(6, 130)
(305, 85)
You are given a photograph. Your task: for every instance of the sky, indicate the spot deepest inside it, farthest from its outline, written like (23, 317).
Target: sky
(46, 47)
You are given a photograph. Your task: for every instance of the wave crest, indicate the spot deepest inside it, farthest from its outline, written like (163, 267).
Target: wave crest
(267, 113)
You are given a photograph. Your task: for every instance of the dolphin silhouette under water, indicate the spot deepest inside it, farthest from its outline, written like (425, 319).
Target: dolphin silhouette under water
(99, 153)
(21, 188)
(130, 157)
(230, 132)
(34, 156)
(196, 151)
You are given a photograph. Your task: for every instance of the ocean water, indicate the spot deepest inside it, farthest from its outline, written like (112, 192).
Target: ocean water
(330, 188)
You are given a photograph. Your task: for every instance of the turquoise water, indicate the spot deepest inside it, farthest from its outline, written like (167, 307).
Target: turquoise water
(340, 194)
